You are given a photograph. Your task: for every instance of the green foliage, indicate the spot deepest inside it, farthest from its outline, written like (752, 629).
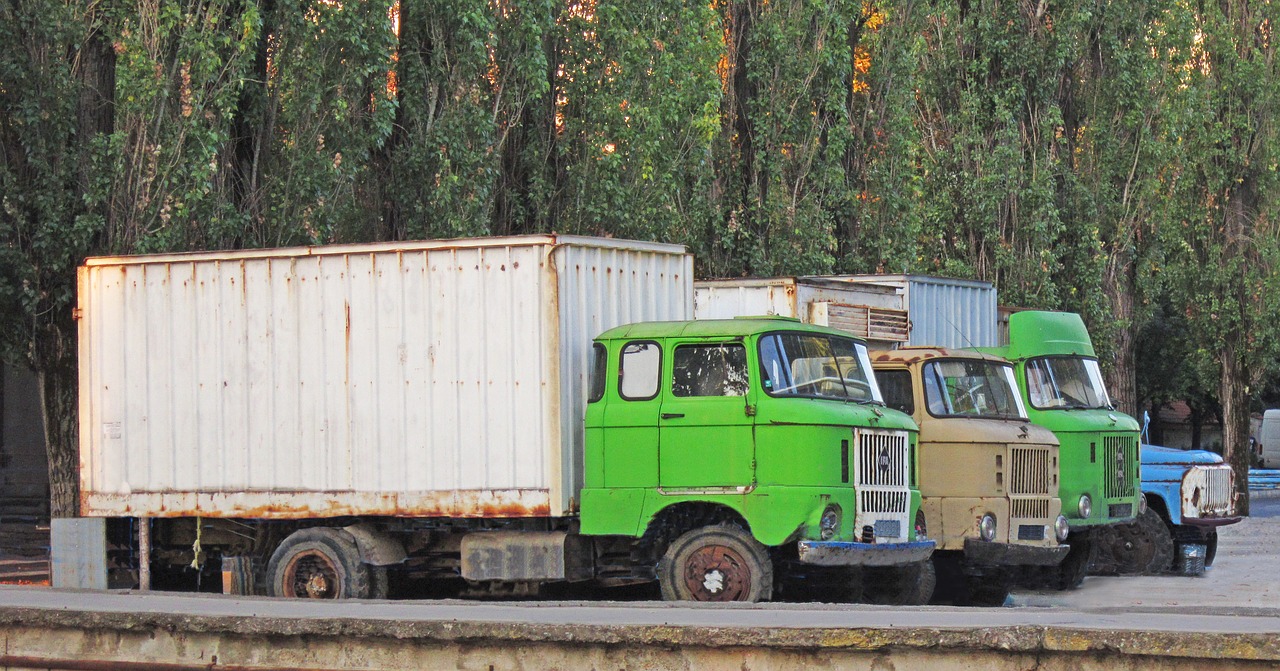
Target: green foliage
(328, 110)
(45, 228)
(637, 112)
(161, 176)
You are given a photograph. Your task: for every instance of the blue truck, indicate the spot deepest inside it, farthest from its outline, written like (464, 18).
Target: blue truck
(1188, 495)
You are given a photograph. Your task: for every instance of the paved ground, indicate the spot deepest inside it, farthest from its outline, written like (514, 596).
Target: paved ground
(1245, 576)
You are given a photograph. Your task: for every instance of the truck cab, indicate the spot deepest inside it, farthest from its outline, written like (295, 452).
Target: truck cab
(1058, 375)
(1189, 493)
(724, 448)
(988, 476)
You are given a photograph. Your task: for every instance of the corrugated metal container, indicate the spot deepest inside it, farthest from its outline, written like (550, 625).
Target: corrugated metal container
(944, 312)
(887, 310)
(437, 378)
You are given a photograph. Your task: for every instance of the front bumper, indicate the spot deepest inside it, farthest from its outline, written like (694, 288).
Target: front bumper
(1013, 554)
(844, 553)
(1210, 522)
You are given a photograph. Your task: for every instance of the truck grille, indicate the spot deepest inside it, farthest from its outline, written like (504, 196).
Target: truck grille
(1208, 491)
(882, 458)
(1119, 455)
(1029, 509)
(1030, 472)
(882, 468)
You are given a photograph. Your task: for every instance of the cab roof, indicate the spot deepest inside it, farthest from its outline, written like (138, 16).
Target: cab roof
(717, 328)
(910, 355)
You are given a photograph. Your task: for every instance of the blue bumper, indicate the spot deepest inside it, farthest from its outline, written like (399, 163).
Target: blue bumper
(843, 553)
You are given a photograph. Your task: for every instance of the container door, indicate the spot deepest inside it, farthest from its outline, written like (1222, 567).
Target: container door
(706, 437)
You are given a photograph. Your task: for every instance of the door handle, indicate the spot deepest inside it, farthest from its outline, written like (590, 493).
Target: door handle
(672, 415)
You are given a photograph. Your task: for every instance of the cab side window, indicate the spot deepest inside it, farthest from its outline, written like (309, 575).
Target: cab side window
(895, 385)
(709, 370)
(599, 361)
(639, 370)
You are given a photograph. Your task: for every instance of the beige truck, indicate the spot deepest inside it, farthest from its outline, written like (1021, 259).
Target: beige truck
(988, 476)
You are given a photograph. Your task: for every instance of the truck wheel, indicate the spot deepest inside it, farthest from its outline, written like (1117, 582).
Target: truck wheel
(716, 563)
(1210, 548)
(1143, 547)
(1070, 573)
(910, 585)
(323, 563)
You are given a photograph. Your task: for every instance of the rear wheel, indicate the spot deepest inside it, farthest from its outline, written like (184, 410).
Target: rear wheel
(323, 563)
(1142, 547)
(716, 563)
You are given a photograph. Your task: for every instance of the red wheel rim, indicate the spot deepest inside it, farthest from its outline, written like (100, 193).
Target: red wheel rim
(717, 573)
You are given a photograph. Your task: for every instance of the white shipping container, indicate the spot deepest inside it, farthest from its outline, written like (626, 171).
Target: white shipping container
(436, 378)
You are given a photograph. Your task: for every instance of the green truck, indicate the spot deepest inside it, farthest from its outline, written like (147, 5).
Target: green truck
(1060, 381)
(736, 448)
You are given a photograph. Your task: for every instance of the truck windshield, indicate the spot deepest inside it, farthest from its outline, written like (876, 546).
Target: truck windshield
(817, 366)
(1065, 382)
(972, 388)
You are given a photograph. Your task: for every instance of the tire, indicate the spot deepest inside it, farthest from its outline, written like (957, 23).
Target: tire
(1143, 547)
(716, 563)
(322, 563)
(1070, 573)
(1210, 548)
(910, 585)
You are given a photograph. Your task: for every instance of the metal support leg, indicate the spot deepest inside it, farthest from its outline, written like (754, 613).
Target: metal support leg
(144, 554)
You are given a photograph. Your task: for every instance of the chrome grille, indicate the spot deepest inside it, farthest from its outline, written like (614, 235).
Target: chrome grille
(882, 473)
(1029, 509)
(1119, 458)
(883, 502)
(883, 458)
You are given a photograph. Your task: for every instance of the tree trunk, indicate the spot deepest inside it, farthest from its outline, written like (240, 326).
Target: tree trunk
(58, 396)
(1121, 375)
(1233, 390)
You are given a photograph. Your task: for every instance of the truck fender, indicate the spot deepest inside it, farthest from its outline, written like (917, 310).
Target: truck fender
(376, 548)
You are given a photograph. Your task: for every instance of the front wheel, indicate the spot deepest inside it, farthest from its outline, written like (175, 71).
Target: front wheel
(910, 585)
(323, 563)
(716, 563)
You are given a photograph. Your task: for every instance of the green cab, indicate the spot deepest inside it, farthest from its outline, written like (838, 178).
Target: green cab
(775, 426)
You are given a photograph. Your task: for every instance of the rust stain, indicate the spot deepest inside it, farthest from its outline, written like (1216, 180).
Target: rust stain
(484, 505)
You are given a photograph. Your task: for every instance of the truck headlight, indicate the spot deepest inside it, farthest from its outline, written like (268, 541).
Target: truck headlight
(1142, 505)
(829, 525)
(922, 529)
(987, 527)
(1086, 506)
(1061, 528)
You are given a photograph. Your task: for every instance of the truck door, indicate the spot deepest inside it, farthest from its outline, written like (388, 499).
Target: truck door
(705, 431)
(631, 423)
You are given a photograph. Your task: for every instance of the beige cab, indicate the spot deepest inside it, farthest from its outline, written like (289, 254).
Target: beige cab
(989, 477)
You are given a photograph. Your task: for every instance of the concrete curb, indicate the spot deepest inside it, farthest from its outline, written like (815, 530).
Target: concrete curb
(1023, 639)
